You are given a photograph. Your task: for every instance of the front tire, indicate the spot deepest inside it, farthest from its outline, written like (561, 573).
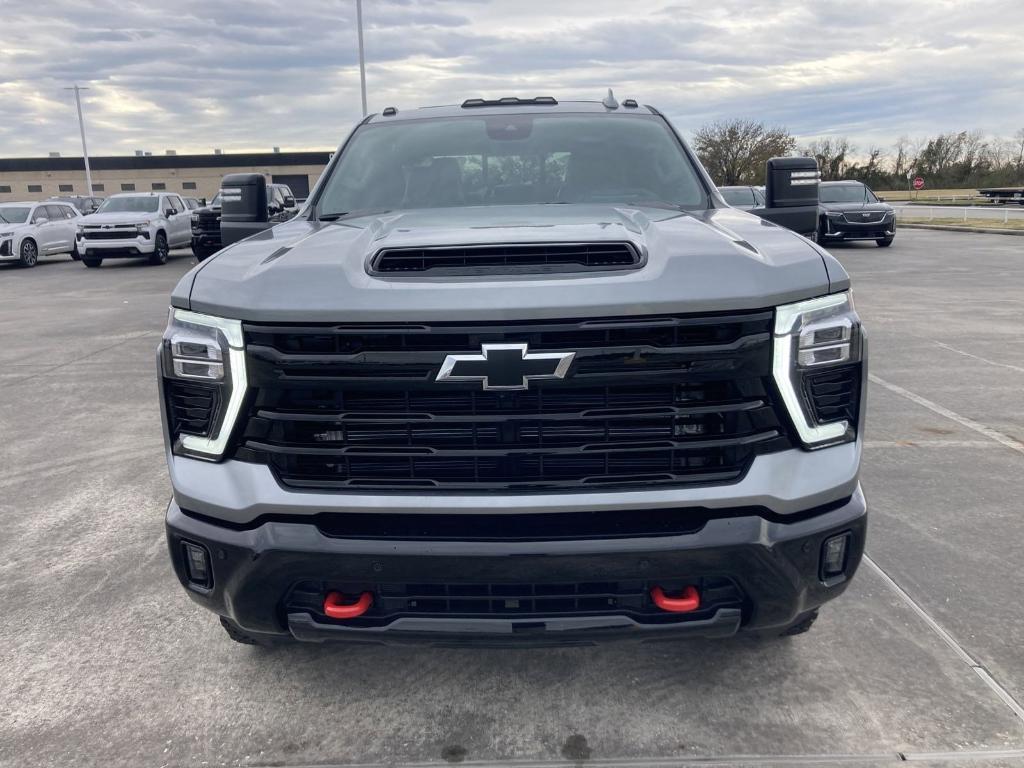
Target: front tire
(75, 255)
(202, 252)
(884, 242)
(160, 250)
(819, 234)
(91, 262)
(29, 254)
(239, 635)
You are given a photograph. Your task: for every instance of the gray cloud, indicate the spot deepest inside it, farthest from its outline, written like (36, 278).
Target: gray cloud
(196, 74)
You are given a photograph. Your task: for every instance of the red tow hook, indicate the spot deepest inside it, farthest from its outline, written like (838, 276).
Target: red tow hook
(336, 608)
(689, 601)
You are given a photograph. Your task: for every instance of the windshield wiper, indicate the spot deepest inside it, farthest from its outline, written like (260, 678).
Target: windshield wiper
(353, 214)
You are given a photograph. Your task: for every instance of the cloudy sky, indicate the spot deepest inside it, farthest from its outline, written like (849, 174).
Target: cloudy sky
(194, 75)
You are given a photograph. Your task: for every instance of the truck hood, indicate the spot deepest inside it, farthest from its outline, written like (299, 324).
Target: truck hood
(308, 271)
(118, 217)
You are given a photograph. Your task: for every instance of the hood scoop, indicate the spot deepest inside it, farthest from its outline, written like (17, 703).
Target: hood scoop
(510, 259)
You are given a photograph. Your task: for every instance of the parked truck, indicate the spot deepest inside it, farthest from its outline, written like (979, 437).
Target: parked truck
(517, 374)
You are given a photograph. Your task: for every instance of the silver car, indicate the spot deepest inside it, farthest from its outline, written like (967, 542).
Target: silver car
(30, 230)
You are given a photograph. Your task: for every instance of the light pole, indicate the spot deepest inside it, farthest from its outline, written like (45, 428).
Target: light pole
(362, 58)
(81, 127)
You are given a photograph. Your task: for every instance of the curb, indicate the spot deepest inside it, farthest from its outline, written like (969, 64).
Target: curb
(950, 228)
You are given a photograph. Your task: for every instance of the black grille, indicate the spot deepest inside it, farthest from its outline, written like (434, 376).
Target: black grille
(110, 234)
(506, 259)
(5, 248)
(206, 221)
(866, 217)
(647, 401)
(543, 600)
(834, 395)
(191, 407)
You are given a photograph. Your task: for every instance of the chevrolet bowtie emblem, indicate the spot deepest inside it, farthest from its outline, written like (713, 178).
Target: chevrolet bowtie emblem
(506, 366)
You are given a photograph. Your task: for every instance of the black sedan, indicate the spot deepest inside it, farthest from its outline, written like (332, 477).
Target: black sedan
(848, 210)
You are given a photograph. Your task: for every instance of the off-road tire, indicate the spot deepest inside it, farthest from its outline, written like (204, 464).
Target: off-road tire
(91, 261)
(239, 635)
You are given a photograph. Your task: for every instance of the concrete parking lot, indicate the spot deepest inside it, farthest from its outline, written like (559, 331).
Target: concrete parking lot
(105, 662)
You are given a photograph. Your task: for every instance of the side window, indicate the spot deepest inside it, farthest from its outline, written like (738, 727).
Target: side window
(55, 212)
(177, 203)
(39, 213)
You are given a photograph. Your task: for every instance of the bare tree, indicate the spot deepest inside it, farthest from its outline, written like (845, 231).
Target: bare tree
(1018, 141)
(831, 155)
(735, 151)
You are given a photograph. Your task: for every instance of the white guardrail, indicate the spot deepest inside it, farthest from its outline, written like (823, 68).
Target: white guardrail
(1003, 213)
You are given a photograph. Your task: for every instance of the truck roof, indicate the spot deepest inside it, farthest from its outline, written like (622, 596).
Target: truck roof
(511, 105)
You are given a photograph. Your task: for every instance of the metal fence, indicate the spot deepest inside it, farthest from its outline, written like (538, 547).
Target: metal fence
(1003, 213)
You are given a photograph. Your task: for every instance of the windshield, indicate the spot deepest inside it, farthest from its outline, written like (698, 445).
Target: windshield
(738, 195)
(130, 204)
(14, 215)
(513, 159)
(846, 193)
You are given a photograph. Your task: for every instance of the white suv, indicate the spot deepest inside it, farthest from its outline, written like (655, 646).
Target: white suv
(135, 224)
(31, 230)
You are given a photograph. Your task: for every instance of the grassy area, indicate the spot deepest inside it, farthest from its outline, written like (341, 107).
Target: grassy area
(1013, 223)
(924, 194)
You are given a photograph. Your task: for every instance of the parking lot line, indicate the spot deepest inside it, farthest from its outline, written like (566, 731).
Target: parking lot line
(964, 421)
(978, 357)
(949, 640)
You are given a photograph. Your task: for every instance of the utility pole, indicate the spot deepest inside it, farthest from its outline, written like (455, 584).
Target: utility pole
(362, 58)
(81, 127)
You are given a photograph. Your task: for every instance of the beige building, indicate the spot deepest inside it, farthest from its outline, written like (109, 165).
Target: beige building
(37, 178)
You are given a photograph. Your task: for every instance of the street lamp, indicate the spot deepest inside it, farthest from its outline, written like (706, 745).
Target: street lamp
(362, 58)
(81, 127)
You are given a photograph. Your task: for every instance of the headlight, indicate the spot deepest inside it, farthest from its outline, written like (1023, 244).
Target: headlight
(835, 214)
(818, 356)
(8, 234)
(204, 381)
(142, 227)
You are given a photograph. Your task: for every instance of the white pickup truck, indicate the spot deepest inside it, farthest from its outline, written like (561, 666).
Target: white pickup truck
(134, 225)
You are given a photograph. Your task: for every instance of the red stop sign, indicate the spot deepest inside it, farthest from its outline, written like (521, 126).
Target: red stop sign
(918, 183)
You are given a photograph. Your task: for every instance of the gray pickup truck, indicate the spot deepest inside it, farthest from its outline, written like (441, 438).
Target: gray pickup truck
(516, 374)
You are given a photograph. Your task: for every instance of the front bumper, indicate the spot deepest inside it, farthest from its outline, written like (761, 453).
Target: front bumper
(120, 248)
(840, 229)
(772, 566)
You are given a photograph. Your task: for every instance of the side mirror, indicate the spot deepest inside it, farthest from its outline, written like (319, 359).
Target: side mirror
(244, 208)
(791, 194)
(42, 220)
(289, 201)
(169, 212)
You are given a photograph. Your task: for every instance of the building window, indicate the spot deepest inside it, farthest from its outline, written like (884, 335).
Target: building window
(4, 188)
(35, 187)
(97, 187)
(127, 187)
(188, 185)
(159, 185)
(66, 187)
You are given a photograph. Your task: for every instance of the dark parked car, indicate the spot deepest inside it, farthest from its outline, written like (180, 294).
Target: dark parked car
(85, 205)
(744, 198)
(850, 211)
(206, 238)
